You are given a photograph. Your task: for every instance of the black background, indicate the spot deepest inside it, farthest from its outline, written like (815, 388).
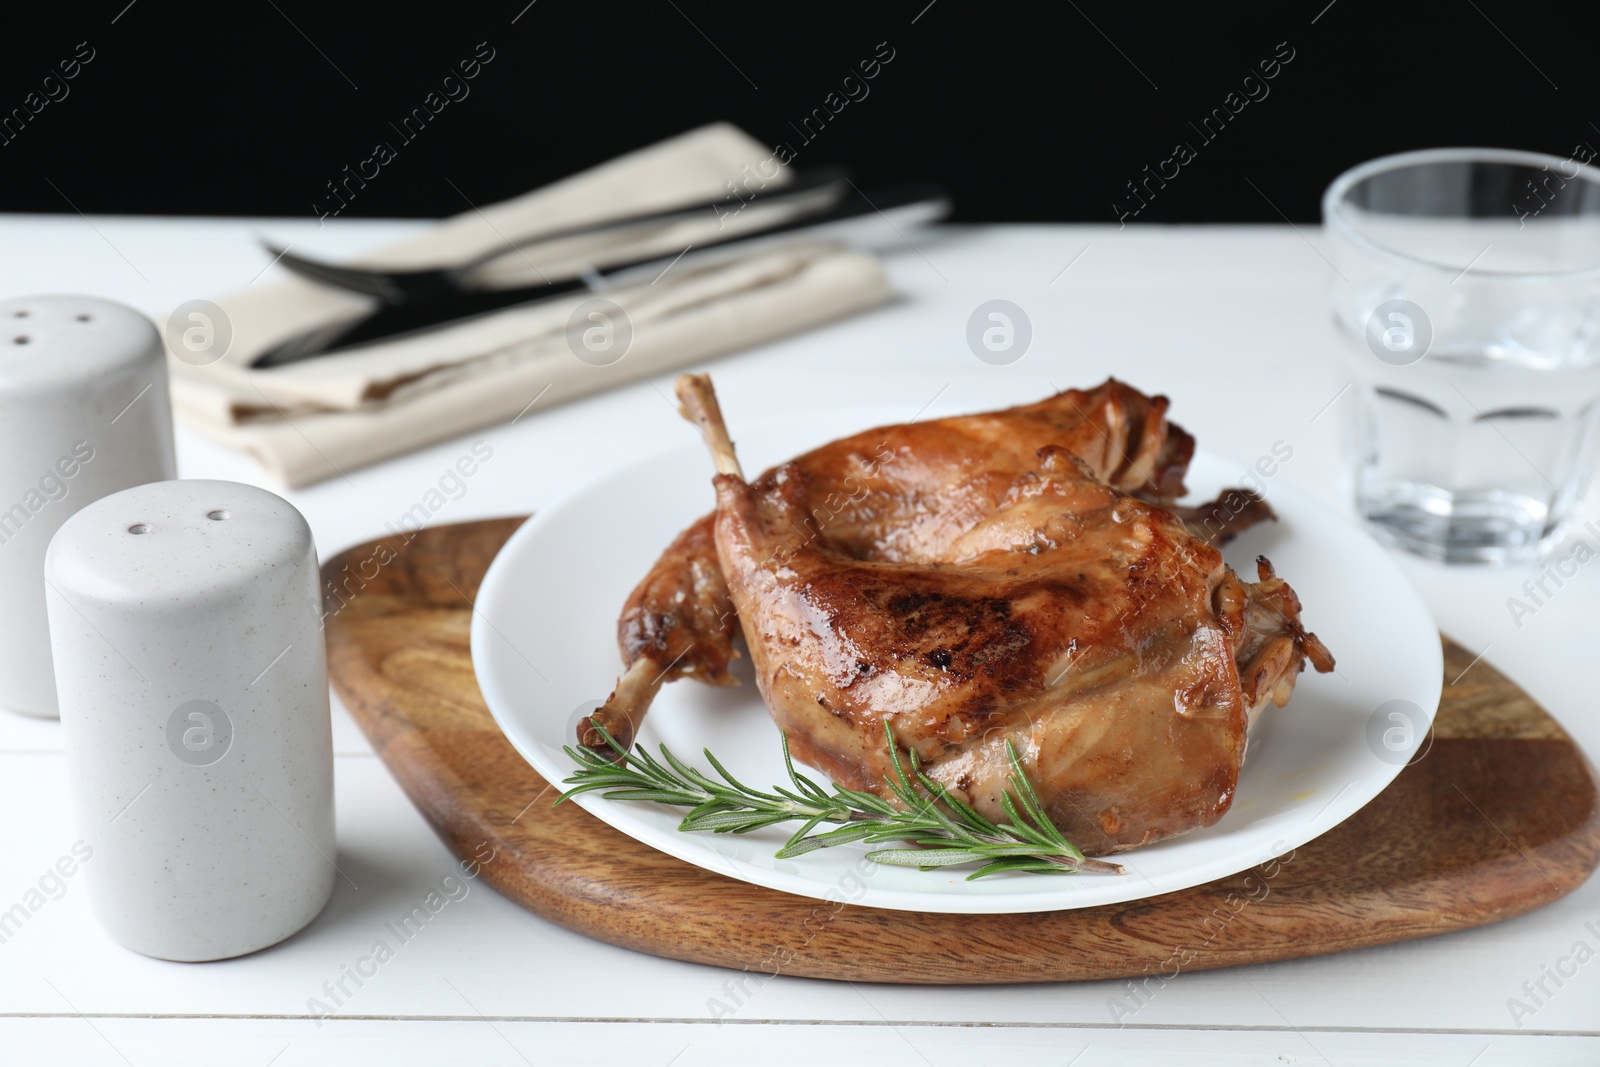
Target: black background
(1027, 112)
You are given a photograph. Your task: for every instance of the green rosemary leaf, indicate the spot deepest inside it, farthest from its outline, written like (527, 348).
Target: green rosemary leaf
(718, 821)
(658, 796)
(1024, 828)
(795, 798)
(600, 778)
(638, 759)
(800, 834)
(1000, 850)
(580, 789)
(801, 782)
(1017, 866)
(845, 835)
(901, 784)
(968, 815)
(935, 827)
(1024, 790)
(740, 786)
(702, 811)
(865, 802)
(923, 858)
(689, 773)
(759, 822)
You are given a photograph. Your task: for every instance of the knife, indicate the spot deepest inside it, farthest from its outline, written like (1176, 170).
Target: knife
(811, 191)
(871, 222)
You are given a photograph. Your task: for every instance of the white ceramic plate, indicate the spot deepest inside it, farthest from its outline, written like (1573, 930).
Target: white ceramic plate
(544, 646)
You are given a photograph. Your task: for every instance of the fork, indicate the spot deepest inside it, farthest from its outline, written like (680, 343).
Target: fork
(809, 193)
(870, 222)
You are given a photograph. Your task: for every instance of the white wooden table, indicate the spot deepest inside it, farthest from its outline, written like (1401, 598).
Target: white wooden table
(1231, 322)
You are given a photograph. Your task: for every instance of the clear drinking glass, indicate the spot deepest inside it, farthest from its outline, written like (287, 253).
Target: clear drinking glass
(1468, 297)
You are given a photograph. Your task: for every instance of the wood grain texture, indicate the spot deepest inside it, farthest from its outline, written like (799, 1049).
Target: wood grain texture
(1498, 815)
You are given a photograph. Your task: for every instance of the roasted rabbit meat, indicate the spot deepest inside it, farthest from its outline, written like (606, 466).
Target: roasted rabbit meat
(1018, 576)
(888, 491)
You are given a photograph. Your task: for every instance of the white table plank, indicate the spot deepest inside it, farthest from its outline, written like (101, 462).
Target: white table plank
(102, 1042)
(1229, 321)
(512, 964)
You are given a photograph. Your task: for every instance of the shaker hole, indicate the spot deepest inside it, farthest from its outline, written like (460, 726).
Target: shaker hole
(20, 339)
(218, 515)
(139, 528)
(85, 317)
(22, 314)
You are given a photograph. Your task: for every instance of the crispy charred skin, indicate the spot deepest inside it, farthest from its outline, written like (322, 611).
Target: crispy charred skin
(896, 493)
(679, 621)
(680, 616)
(892, 487)
(1087, 627)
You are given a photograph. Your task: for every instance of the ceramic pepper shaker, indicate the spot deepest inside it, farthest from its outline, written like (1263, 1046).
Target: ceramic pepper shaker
(83, 413)
(194, 704)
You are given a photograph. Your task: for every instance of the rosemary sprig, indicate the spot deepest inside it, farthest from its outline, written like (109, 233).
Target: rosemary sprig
(937, 828)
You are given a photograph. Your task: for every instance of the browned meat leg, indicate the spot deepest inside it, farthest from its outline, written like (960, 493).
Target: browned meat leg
(678, 623)
(888, 490)
(901, 492)
(1087, 627)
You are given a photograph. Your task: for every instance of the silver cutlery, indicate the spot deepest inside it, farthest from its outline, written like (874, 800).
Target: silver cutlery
(869, 222)
(811, 192)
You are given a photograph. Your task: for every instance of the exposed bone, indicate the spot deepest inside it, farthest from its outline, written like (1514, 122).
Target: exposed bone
(623, 712)
(699, 405)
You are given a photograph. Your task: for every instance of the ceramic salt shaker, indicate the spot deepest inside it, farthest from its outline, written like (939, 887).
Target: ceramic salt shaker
(83, 413)
(194, 702)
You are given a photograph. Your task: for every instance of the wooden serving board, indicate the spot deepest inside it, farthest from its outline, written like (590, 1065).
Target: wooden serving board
(1497, 817)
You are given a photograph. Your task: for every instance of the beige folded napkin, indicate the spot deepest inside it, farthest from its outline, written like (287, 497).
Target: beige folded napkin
(321, 417)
